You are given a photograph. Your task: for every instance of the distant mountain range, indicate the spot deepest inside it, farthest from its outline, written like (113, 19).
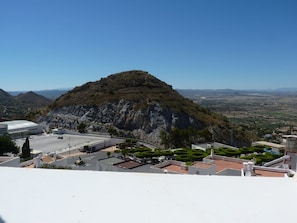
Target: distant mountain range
(53, 94)
(50, 94)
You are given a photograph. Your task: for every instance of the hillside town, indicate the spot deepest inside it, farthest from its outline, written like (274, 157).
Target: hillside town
(63, 149)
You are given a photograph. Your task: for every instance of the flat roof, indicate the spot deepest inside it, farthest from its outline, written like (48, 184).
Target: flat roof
(18, 124)
(128, 164)
(229, 172)
(92, 196)
(111, 160)
(268, 173)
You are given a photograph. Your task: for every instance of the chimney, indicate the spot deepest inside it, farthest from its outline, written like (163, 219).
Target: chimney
(211, 153)
(251, 166)
(248, 168)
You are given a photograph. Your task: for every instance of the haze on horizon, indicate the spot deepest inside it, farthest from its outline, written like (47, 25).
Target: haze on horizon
(190, 45)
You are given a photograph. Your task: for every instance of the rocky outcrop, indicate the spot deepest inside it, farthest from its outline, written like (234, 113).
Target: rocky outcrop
(144, 123)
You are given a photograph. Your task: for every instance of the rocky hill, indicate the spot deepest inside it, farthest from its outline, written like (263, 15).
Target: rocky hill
(17, 107)
(137, 104)
(6, 99)
(32, 100)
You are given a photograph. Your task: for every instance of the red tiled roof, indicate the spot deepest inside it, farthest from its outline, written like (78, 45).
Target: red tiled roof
(175, 168)
(223, 164)
(268, 173)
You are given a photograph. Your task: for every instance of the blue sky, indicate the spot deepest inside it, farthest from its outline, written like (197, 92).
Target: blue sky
(199, 44)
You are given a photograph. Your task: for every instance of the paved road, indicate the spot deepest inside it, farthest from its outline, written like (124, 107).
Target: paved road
(51, 143)
(89, 159)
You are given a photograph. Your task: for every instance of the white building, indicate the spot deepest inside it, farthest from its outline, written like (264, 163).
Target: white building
(20, 128)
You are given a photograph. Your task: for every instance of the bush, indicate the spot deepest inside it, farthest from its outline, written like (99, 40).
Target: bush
(52, 166)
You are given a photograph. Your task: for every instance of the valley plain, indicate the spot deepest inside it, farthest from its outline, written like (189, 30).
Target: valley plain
(263, 112)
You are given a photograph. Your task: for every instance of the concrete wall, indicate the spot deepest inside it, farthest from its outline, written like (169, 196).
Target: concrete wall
(291, 144)
(113, 141)
(59, 162)
(293, 160)
(10, 161)
(101, 144)
(3, 129)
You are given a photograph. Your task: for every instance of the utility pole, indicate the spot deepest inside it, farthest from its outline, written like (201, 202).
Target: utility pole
(68, 146)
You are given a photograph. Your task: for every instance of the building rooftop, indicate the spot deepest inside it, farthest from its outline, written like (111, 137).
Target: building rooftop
(268, 173)
(128, 164)
(175, 168)
(18, 124)
(224, 164)
(76, 196)
(202, 165)
(229, 172)
(111, 160)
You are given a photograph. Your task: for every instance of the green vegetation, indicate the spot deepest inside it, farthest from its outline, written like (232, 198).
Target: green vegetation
(26, 151)
(177, 137)
(7, 145)
(148, 153)
(255, 153)
(82, 127)
(190, 155)
(259, 112)
(112, 131)
(52, 166)
(262, 158)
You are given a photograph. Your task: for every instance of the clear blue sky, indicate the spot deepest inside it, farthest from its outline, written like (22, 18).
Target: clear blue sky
(198, 44)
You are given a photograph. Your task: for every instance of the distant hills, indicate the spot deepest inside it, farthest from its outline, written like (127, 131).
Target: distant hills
(15, 107)
(132, 103)
(32, 100)
(53, 94)
(50, 94)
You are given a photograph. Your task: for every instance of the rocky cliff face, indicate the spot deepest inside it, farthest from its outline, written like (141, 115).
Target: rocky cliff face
(144, 123)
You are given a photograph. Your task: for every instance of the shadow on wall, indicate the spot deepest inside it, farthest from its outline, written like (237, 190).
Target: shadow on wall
(1, 220)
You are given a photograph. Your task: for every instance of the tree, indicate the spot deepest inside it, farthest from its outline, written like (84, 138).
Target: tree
(124, 150)
(164, 138)
(82, 127)
(178, 138)
(7, 145)
(175, 138)
(26, 151)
